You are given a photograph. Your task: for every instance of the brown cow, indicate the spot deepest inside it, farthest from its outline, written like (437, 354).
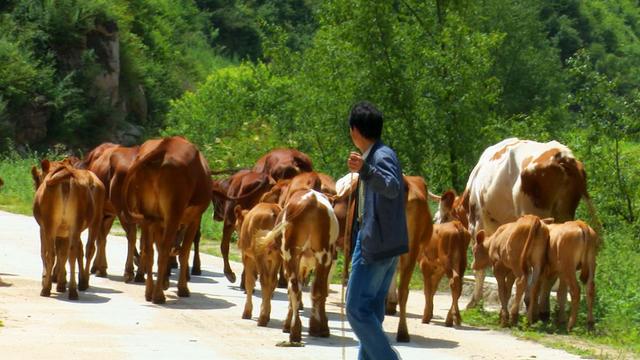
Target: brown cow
(260, 257)
(517, 177)
(166, 190)
(445, 253)
(573, 245)
(515, 250)
(283, 189)
(110, 162)
(244, 188)
(309, 231)
(283, 163)
(419, 226)
(67, 201)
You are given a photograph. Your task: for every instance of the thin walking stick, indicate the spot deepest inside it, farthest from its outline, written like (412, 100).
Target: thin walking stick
(347, 252)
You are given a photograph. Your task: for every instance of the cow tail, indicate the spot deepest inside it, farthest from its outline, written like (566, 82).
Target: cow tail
(528, 245)
(272, 235)
(588, 258)
(128, 210)
(594, 216)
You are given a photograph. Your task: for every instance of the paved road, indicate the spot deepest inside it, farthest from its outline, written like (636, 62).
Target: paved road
(113, 321)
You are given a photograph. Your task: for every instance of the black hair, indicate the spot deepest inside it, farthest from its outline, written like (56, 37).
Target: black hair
(367, 119)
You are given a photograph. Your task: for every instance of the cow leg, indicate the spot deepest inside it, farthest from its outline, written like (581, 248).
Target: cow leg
(90, 251)
(227, 230)
(146, 257)
(427, 315)
(574, 289)
(455, 283)
(292, 324)
(282, 279)
(75, 242)
(58, 248)
(591, 294)
(268, 283)
(47, 254)
(164, 246)
(249, 284)
(60, 270)
(545, 291)
(196, 268)
(532, 310)
(130, 231)
(100, 263)
(190, 234)
(318, 323)
(392, 296)
(477, 289)
(521, 286)
(142, 261)
(406, 265)
(561, 296)
(504, 294)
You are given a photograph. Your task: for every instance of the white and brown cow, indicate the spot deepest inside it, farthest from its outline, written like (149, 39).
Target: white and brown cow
(517, 177)
(309, 231)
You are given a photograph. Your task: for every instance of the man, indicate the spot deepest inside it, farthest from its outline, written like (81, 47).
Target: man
(381, 229)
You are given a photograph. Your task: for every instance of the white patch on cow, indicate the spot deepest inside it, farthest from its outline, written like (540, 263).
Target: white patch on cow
(319, 254)
(333, 220)
(343, 185)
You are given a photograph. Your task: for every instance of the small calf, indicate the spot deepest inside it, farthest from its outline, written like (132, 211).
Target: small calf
(260, 256)
(445, 253)
(573, 245)
(515, 250)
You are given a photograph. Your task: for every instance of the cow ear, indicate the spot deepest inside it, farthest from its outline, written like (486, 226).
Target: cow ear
(44, 164)
(480, 237)
(35, 174)
(549, 220)
(447, 199)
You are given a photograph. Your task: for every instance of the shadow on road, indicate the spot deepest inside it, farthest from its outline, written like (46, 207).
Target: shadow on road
(196, 301)
(418, 341)
(83, 298)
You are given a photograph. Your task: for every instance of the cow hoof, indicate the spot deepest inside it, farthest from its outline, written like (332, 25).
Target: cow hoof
(139, 278)
(196, 271)
(101, 273)
(45, 292)
(128, 277)
(286, 329)
(473, 304)
(544, 316)
(94, 269)
(159, 300)
(246, 315)
(83, 285)
(147, 297)
(426, 319)
(458, 320)
(403, 337)
(449, 321)
(390, 308)
(295, 338)
(184, 292)
(73, 294)
(263, 320)
(230, 276)
(319, 332)
(61, 288)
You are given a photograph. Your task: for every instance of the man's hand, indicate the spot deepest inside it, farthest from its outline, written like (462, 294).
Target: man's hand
(355, 162)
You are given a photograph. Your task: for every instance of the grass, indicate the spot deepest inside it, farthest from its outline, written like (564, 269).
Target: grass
(601, 344)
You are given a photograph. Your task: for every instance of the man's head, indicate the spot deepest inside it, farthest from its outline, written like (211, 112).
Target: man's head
(367, 119)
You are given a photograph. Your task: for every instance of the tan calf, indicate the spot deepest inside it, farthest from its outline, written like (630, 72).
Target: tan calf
(445, 253)
(572, 246)
(515, 251)
(260, 256)
(67, 201)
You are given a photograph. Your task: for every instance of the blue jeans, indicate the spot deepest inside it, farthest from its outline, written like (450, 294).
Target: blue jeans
(366, 293)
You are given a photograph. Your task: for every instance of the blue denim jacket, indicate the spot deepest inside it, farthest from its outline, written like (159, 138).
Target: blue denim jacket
(384, 222)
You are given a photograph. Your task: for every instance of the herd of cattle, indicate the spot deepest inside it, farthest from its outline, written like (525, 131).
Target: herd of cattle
(516, 210)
